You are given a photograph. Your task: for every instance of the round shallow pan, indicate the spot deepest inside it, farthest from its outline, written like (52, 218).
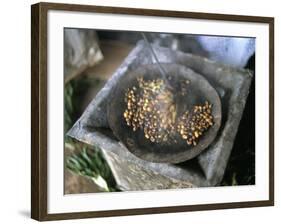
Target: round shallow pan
(198, 92)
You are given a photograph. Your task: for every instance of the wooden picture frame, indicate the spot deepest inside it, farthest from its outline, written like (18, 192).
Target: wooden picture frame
(39, 109)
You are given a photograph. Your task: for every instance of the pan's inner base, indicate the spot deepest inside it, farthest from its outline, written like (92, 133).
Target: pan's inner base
(154, 106)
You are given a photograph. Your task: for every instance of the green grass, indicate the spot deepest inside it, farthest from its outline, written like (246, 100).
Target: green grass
(91, 163)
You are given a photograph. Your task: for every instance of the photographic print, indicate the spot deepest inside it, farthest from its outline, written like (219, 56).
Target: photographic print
(152, 111)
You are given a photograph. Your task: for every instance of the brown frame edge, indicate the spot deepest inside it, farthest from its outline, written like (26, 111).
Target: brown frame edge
(39, 110)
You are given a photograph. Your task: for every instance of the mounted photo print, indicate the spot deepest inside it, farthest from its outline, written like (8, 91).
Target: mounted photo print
(138, 111)
(166, 117)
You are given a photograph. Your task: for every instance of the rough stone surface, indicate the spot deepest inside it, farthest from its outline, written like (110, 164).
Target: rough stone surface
(81, 50)
(76, 184)
(205, 170)
(147, 179)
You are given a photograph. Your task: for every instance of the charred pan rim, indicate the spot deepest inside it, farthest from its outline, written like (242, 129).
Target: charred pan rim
(170, 156)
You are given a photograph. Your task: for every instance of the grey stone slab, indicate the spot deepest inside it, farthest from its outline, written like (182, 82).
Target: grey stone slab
(132, 176)
(81, 50)
(208, 168)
